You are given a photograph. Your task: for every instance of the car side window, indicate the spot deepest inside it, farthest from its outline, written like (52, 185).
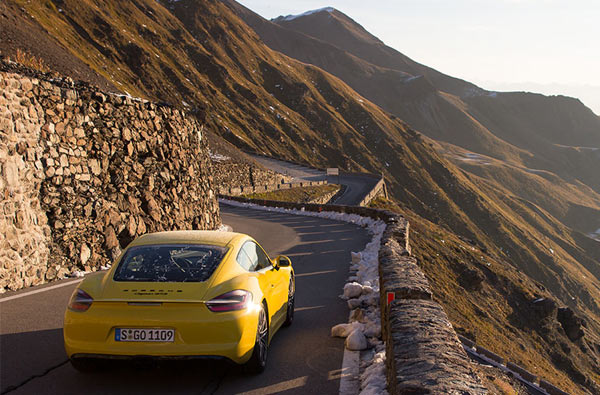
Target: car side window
(244, 261)
(252, 257)
(263, 259)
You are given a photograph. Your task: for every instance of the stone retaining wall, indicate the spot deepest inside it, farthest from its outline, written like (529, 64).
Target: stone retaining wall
(84, 172)
(379, 189)
(247, 189)
(231, 172)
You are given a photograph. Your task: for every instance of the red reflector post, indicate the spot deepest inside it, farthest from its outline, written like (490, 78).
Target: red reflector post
(390, 297)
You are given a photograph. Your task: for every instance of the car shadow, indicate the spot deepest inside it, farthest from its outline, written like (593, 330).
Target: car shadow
(303, 358)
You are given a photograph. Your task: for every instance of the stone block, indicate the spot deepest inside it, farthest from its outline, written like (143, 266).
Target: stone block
(401, 275)
(427, 356)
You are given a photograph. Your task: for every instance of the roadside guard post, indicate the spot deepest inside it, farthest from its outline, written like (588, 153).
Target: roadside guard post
(390, 297)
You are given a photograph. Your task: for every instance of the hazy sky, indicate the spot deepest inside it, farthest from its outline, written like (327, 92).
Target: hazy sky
(547, 46)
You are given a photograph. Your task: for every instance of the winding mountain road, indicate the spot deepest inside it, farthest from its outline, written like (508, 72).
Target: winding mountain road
(303, 358)
(357, 185)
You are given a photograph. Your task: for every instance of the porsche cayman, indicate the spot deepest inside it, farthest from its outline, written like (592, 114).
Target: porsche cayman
(182, 294)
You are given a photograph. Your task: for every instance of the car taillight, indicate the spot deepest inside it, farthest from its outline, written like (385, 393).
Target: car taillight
(80, 301)
(230, 301)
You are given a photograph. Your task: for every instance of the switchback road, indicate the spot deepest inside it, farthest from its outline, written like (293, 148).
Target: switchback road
(303, 359)
(357, 185)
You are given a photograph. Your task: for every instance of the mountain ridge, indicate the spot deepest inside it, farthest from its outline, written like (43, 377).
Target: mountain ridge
(476, 100)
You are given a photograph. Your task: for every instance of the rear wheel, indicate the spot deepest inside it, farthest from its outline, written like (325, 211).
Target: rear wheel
(258, 360)
(289, 317)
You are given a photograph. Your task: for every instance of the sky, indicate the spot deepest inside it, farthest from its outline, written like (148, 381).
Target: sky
(544, 46)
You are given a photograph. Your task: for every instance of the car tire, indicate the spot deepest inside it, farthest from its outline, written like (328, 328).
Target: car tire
(289, 316)
(84, 365)
(258, 361)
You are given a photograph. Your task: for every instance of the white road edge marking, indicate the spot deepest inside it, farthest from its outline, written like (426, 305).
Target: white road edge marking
(37, 291)
(279, 387)
(349, 380)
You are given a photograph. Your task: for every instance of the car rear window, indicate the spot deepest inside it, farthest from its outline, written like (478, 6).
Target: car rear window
(169, 263)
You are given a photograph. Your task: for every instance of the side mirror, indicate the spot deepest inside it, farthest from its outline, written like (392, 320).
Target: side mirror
(282, 261)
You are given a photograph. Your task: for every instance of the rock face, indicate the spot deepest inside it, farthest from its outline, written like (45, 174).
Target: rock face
(571, 323)
(84, 172)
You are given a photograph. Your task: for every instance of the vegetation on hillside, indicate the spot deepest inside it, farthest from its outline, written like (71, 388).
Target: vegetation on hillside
(299, 194)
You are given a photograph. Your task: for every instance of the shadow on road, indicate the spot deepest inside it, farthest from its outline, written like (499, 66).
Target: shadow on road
(303, 358)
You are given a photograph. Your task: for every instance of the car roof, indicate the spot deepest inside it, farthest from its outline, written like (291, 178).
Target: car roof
(210, 237)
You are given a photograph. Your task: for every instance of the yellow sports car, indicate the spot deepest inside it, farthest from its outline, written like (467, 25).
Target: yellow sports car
(190, 294)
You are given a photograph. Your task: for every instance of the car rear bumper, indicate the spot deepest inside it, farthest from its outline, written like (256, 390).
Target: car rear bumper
(199, 333)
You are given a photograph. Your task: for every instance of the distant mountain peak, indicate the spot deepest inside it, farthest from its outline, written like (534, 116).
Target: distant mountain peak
(292, 17)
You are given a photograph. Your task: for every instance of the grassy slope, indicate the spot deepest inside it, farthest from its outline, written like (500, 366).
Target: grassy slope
(499, 314)
(300, 194)
(201, 54)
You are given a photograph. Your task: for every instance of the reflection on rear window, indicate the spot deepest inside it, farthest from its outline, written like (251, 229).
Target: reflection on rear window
(169, 263)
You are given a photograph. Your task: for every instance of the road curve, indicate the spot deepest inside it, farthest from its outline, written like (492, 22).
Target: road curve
(357, 185)
(303, 358)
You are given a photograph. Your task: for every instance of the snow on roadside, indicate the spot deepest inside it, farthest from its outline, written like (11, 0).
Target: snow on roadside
(363, 332)
(224, 228)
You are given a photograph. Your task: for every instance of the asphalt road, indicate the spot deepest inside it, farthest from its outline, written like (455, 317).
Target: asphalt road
(297, 172)
(303, 359)
(357, 185)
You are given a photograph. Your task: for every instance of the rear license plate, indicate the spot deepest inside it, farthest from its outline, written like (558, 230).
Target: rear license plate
(144, 335)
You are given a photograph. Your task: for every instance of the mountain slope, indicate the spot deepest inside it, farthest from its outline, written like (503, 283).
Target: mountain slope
(522, 128)
(200, 56)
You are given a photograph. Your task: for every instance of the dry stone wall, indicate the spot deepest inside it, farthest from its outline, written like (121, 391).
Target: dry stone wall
(84, 172)
(228, 172)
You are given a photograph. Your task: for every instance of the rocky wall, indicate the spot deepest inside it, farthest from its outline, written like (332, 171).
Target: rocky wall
(24, 232)
(423, 352)
(231, 173)
(85, 172)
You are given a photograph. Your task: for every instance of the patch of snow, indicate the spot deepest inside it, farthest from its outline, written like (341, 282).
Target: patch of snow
(534, 171)
(473, 157)
(356, 341)
(411, 78)
(218, 157)
(79, 274)
(354, 289)
(344, 330)
(224, 228)
(595, 235)
(373, 378)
